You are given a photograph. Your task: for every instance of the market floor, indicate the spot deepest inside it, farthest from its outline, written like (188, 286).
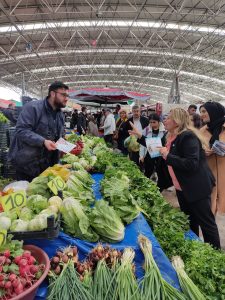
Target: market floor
(220, 219)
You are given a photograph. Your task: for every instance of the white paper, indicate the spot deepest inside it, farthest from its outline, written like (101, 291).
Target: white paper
(152, 144)
(64, 146)
(219, 148)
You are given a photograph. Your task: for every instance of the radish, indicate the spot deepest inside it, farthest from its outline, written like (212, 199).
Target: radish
(8, 261)
(8, 284)
(2, 260)
(12, 277)
(26, 254)
(2, 277)
(17, 259)
(19, 289)
(31, 260)
(7, 253)
(33, 269)
(15, 283)
(22, 262)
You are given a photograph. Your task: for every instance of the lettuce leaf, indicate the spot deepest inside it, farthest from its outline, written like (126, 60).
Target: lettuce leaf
(106, 222)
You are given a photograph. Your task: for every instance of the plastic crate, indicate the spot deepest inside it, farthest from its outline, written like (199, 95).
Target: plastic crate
(51, 232)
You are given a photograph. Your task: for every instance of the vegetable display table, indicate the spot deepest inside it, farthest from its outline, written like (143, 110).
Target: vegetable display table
(139, 225)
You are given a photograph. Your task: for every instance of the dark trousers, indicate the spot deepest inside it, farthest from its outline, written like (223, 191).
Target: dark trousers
(134, 156)
(149, 165)
(108, 138)
(200, 214)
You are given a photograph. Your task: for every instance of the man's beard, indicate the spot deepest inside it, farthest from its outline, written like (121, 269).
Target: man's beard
(58, 104)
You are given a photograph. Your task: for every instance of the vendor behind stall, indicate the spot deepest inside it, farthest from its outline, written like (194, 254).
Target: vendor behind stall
(39, 126)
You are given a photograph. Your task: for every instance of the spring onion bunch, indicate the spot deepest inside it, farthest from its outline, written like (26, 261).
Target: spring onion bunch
(102, 279)
(153, 286)
(67, 285)
(188, 287)
(125, 283)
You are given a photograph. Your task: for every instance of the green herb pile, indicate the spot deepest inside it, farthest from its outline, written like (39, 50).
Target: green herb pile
(203, 264)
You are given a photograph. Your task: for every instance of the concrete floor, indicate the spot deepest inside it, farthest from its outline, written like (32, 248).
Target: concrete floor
(220, 219)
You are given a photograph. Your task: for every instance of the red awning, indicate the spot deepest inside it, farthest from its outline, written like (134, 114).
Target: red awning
(5, 103)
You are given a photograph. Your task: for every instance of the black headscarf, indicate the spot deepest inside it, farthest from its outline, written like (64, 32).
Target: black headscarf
(216, 113)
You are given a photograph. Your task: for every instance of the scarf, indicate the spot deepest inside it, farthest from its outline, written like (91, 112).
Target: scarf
(216, 113)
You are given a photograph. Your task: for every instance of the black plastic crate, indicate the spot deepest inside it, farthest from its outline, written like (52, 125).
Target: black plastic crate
(51, 232)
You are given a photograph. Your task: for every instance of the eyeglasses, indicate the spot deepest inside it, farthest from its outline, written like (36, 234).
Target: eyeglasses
(63, 94)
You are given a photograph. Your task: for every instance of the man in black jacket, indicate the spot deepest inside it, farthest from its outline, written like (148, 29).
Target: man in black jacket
(82, 121)
(139, 122)
(39, 126)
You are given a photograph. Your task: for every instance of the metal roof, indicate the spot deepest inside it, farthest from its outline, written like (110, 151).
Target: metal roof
(137, 45)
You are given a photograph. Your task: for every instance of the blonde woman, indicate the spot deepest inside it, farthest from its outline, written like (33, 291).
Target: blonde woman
(191, 176)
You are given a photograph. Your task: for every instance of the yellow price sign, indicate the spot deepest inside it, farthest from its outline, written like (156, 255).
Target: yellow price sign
(3, 234)
(56, 184)
(14, 200)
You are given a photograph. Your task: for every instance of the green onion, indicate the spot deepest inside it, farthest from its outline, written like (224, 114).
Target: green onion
(188, 287)
(125, 283)
(68, 285)
(153, 286)
(102, 280)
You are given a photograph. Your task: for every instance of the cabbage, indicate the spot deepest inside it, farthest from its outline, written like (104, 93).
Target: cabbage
(5, 222)
(69, 158)
(54, 209)
(26, 214)
(19, 225)
(48, 212)
(37, 203)
(75, 221)
(39, 186)
(38, 223)
(55, 201)
(131, 144)
(106, 222)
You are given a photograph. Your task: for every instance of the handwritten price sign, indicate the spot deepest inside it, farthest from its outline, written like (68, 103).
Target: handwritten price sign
(56, 185)
(13, 200)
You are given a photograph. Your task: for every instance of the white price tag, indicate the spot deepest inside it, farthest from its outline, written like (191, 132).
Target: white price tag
(64, 146)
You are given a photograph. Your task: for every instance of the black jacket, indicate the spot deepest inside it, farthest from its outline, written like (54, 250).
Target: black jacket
(187, 158)
(36, 122)
(82, 123)
(144, 123)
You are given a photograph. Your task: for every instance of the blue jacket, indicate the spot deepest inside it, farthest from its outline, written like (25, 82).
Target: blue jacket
(36, 122)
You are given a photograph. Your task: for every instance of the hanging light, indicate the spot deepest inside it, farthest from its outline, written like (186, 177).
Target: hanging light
(29, 47)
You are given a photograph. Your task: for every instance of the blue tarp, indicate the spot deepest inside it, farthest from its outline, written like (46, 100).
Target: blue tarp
(139, 225)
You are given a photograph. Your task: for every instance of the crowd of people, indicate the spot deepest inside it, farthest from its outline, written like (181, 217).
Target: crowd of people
(187, 157)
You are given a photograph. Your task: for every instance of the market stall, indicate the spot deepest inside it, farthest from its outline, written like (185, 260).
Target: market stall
(116, 209)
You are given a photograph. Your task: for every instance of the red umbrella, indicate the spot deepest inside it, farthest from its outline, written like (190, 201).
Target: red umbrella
(106, 95)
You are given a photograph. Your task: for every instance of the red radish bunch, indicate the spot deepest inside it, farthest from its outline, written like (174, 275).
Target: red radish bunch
(17, 273)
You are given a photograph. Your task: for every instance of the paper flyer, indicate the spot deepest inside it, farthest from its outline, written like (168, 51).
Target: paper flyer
(64, 146)
(152, 144)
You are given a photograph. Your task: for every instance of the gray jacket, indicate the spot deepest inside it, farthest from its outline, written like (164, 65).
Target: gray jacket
(36, 122)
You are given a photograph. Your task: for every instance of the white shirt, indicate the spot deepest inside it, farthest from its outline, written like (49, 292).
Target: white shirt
(137, 124)
(109, 125)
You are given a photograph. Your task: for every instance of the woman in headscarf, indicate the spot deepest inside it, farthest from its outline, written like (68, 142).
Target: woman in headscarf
(154, 129)
(213, 115)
